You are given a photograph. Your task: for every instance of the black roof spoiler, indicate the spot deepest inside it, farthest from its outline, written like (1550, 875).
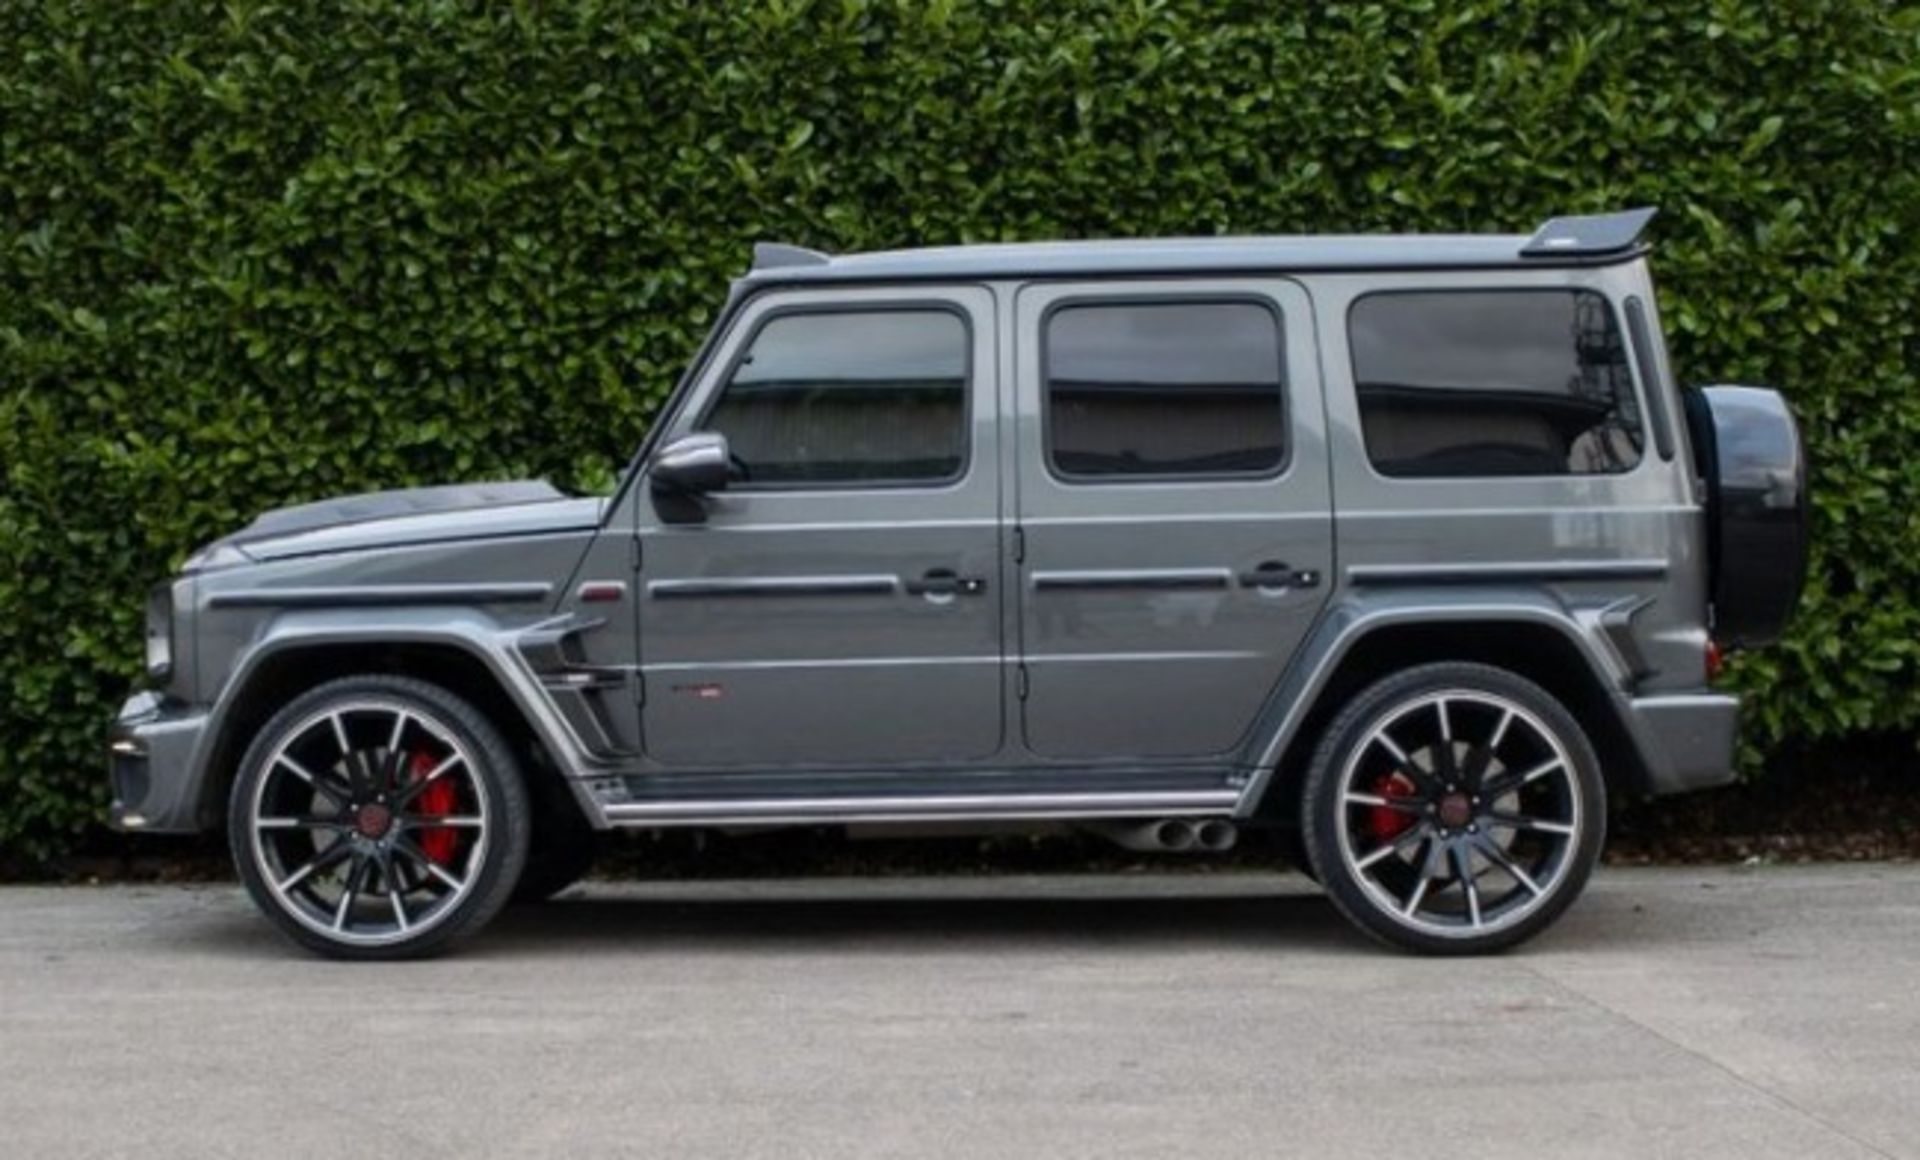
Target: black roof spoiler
(1591, 236)
(771, 255)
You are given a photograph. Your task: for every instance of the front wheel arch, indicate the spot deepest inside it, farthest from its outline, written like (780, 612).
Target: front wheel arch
(290, 670)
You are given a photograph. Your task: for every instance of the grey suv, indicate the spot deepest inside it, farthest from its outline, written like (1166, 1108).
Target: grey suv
(1405, 549)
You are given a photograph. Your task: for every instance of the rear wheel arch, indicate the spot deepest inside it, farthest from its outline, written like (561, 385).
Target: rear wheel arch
(1541, 650)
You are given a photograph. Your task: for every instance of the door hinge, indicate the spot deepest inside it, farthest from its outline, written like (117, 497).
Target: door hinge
(639, 687)
(1020, 681)
(633, 555)
(1019, 545)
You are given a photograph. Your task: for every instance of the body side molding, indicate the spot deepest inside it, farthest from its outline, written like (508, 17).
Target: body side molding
(381, 595)
(1381, 575)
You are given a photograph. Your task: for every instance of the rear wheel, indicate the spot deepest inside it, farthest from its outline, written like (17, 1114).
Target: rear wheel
(1454, 809)
(379, 817)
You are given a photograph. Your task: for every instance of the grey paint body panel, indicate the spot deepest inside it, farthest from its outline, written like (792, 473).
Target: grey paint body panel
(1135, 637)
(783, 630)
(543, 517)
(381, 505)
(1110, 631)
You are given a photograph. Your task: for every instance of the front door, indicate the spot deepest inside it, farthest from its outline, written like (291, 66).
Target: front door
(1174, 509)
(840, 604)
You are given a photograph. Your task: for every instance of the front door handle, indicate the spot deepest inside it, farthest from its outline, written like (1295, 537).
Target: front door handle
(1271, 574)
(940, 582)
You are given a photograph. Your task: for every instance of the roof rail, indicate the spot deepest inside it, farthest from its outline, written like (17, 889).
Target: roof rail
(771, 255)
(1591, 235)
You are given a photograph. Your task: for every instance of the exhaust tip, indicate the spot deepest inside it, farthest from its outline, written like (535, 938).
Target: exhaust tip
(1216, 836)
(1174, 834)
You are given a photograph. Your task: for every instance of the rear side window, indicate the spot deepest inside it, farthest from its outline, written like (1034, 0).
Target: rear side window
(1493, 383)
(849, 398)
(1164, 389)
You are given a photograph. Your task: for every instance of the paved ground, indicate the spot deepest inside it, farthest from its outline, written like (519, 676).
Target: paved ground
(1751, 1013)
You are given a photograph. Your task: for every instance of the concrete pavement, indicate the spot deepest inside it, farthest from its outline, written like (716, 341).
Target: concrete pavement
(1767, 1012)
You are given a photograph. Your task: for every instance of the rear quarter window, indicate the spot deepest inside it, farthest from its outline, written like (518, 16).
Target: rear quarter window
(1525, 382)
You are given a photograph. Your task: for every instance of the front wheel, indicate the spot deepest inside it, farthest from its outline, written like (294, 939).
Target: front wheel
(379, 817)
(1454, 809)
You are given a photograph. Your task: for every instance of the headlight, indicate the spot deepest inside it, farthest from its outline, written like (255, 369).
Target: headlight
(160, 632)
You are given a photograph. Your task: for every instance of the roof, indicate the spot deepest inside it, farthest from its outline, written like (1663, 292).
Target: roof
(1597, 239)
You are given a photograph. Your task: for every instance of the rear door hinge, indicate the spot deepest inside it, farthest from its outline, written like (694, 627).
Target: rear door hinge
(1020, 681)
(633, 555)
(1019, 544)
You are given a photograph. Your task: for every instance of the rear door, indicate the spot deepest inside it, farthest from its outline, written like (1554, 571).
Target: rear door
(840, 604)
(1174, 519)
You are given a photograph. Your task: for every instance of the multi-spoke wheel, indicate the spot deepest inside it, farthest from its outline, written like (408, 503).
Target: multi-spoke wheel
(1454, 808)
(379, 817)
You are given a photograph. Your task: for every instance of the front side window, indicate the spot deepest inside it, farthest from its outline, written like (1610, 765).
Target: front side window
(1164, 389)
(1493, 383)
(849, 398)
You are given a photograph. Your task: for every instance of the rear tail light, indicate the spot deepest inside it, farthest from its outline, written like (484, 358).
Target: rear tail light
(1715, 659)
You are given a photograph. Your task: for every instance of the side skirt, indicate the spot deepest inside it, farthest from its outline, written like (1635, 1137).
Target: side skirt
(748, 799)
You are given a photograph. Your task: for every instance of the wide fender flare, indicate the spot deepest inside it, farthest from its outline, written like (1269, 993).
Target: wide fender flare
(1354, 618)
(485, 640)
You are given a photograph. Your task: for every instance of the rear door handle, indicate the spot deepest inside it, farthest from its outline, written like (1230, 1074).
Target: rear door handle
(1271, 574)
(946, 582)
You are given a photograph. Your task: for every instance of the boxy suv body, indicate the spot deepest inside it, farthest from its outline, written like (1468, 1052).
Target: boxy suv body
(1406, 548)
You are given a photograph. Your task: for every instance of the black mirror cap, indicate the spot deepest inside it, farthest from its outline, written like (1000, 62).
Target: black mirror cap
(692, 465)
(1748, 449)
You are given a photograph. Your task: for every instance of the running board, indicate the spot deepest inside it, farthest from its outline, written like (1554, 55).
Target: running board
(795, 811)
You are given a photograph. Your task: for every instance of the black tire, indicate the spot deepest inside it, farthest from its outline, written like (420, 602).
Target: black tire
(1433, 821)
(483, 774)
(564, 847)
(1293, 844)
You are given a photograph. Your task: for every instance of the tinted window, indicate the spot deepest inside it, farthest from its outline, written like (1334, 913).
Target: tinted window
(849, 398)
(1524, 382)
(1164, 389)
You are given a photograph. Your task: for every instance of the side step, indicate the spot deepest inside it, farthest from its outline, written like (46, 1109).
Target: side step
(769, 811)
(836, 797)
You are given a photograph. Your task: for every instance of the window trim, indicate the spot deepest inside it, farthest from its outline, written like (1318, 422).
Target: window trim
(1043, 328)
(1640, 331)
(969, 385)
(1353, 381)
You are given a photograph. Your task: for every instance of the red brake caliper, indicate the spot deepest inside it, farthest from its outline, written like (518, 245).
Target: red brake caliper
(1387, 824)
(436, 801)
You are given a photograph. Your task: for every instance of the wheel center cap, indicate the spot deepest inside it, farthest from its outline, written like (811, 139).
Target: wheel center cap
(373, 820)
(1455, 810)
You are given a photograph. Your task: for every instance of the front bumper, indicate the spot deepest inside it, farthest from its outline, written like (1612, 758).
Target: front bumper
(1687, 740)
(153, 748)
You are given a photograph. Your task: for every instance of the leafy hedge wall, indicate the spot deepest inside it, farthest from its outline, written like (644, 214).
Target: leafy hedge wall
(252, 254)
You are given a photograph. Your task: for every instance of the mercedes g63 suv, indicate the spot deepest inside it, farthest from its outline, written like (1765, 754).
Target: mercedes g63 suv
(1407, 549)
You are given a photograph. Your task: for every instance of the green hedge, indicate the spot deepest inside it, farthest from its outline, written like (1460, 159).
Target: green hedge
(252, 254)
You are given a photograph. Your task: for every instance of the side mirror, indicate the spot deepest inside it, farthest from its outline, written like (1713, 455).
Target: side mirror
(685, 470)
(692, 465)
